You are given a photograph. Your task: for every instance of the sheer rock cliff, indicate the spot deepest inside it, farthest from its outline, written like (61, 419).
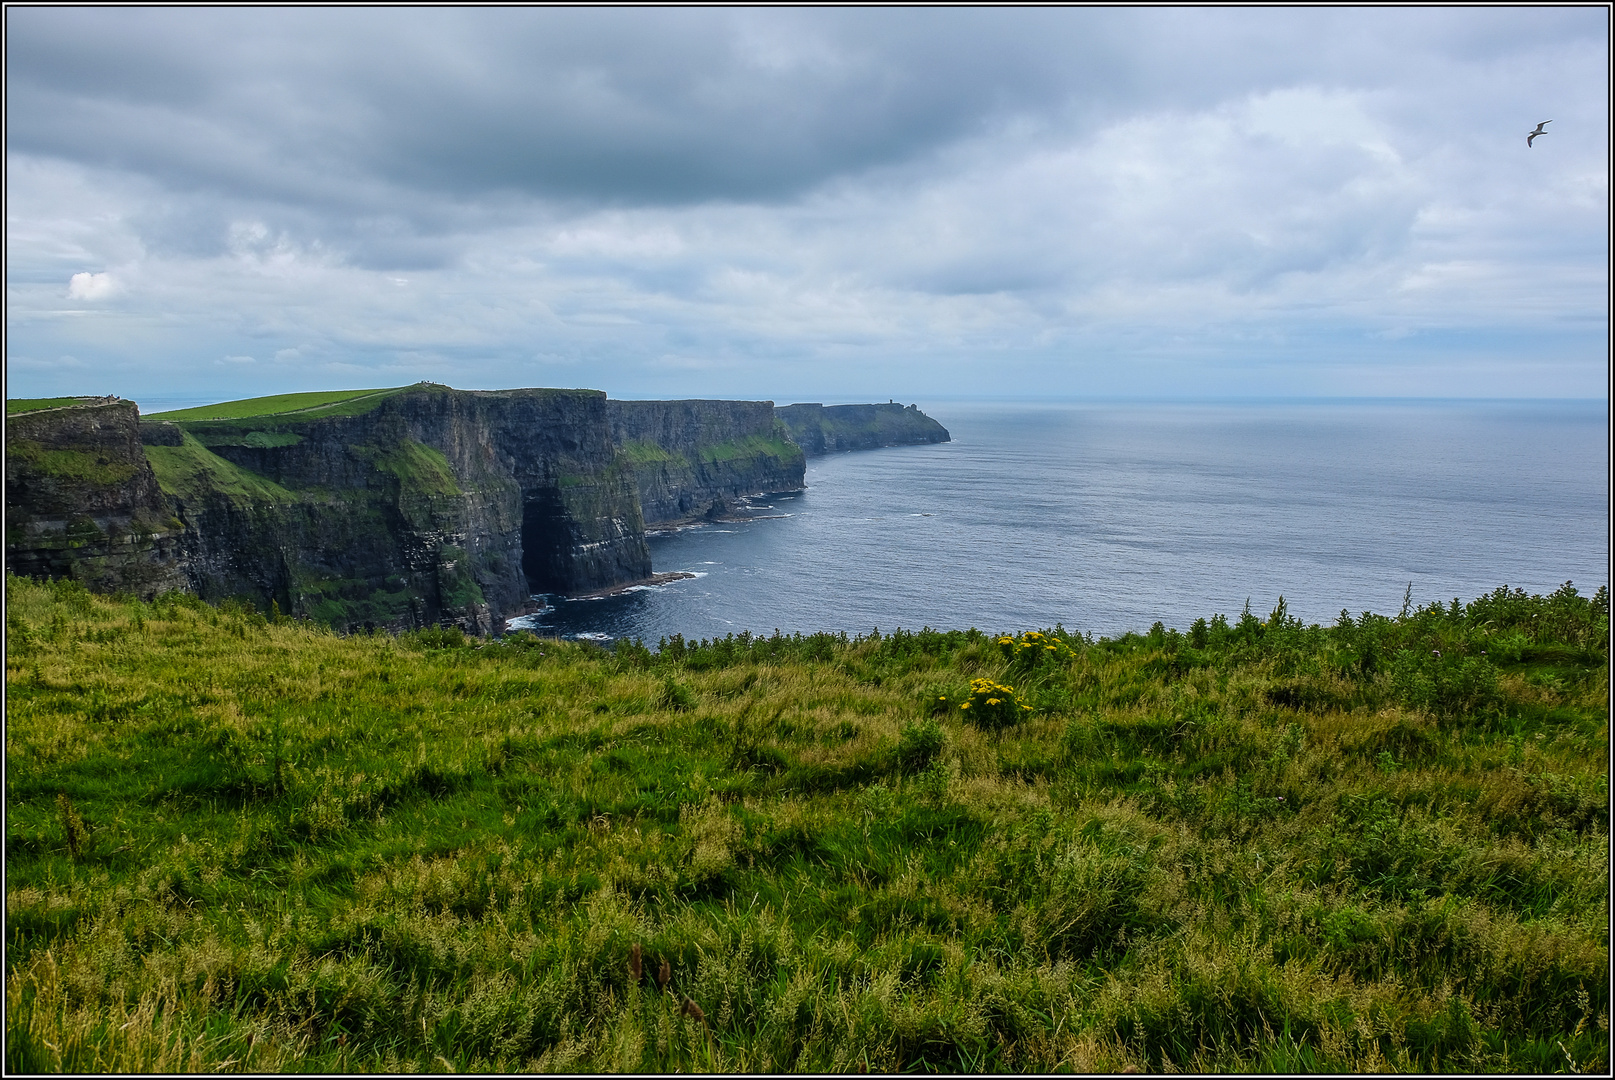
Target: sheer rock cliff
(702, 459)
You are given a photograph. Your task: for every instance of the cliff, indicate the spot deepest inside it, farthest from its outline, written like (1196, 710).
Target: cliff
(822, 429)
(396, 508)
(83, 503)
(420, 506)
(700, 459)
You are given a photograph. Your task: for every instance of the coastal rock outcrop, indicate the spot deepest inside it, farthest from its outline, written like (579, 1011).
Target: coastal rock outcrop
(827, 429)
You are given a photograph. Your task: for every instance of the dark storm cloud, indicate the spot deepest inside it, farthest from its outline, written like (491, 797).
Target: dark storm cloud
(644, 106)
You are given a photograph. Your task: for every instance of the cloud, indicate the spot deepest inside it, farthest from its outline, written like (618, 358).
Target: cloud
(88, 286)
(712, 201)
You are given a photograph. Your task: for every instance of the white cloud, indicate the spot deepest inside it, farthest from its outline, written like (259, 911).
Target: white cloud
(90, 286)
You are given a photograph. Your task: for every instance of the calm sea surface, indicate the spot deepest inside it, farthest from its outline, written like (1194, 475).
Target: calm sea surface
(1108, 517)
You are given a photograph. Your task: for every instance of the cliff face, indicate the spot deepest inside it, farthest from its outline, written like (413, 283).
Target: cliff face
(695, 459)
(395, 509)
(432, 506)
(82, 501)
(821, 429)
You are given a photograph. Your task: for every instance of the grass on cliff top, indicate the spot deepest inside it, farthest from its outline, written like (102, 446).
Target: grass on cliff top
(307, 405)
(242, 844)
(23, 405)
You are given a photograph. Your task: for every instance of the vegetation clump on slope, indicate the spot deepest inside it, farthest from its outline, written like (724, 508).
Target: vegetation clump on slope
(236, 842)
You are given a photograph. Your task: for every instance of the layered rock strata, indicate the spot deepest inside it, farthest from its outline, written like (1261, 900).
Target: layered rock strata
(433, 506)
(703, 459)
(83, 503)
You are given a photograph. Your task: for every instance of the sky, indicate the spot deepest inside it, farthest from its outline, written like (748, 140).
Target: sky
(825, 204)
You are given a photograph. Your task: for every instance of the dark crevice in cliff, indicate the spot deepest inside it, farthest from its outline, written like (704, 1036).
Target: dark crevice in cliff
(546, 542)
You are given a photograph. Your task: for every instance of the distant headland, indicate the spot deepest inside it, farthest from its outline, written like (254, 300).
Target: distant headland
(398, 508)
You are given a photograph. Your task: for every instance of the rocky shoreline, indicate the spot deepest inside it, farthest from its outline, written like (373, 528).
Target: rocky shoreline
(628, 586)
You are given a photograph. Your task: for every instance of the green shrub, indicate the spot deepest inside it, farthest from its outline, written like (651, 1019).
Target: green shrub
(675, 696)
(435, 637)
(918, 745)
(1198, 634)
(1444, 685)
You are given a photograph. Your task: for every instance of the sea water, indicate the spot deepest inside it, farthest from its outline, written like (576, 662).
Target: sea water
(1108, 517)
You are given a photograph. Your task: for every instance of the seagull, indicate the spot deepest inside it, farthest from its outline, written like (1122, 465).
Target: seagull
(1537, 132)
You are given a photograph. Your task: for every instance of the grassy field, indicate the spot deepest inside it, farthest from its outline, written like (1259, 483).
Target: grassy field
(239, 843)
(320, 403)
(23, 405)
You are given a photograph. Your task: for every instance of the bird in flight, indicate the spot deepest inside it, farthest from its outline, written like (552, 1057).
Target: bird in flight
(1537, 132)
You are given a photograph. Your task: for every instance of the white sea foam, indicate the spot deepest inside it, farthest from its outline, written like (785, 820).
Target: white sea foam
(590, 635)
(523, 622)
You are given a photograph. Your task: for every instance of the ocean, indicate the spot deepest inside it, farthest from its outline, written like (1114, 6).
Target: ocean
(1105, 518)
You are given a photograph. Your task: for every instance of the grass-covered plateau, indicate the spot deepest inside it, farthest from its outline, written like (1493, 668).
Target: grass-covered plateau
(308, 405)
(26, 405)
